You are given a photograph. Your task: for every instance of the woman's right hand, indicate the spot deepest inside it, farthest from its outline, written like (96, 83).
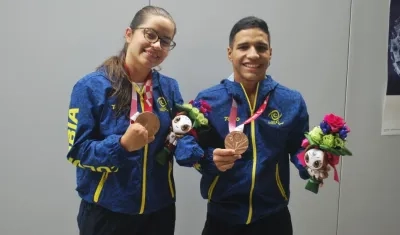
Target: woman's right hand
(135, 137)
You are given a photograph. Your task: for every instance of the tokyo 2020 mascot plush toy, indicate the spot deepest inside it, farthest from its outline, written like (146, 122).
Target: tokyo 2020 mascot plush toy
(323, 146)
(190, 119)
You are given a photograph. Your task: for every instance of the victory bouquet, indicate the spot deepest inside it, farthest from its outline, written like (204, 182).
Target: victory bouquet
(324, 145)
(191, 118)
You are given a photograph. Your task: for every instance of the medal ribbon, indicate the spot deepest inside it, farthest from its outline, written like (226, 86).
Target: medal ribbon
(148, 97)
(233, 115)
(146, 93)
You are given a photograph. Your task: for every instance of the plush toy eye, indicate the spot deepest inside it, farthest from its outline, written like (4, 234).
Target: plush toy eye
(317, 164)
(185, 127)
(177, 119)
(307, 158)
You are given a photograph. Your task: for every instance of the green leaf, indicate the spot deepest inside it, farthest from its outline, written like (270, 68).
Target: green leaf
(324, 147)
(347, 152)
(312, 142)
(162, 156)
(331, 150)
(182, 108)
(195, 124)
(337, 152)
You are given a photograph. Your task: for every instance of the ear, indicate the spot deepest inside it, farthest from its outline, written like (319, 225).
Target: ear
(270, 57)
(229, 51)
(128, 35)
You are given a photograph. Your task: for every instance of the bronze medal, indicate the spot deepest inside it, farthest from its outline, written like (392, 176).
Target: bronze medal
(238, 141)
(150, 121)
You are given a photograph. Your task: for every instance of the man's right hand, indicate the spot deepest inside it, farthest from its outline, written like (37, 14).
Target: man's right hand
(135, 137)
(224, 159)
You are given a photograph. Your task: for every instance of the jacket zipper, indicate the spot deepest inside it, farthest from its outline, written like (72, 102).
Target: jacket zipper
(253, 144)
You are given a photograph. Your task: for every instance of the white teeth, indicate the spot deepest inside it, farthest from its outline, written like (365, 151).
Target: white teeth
(152, 54)
(252, 65)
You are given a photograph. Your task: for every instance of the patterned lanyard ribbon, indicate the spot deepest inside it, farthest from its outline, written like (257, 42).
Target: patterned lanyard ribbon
(146, 91)
(233, 115)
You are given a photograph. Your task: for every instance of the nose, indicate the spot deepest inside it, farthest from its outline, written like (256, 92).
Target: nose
(252, 53)
(156, 45)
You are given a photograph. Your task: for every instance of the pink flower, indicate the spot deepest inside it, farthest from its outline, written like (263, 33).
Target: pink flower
(305, 143)
(335, 122)
(205, 105)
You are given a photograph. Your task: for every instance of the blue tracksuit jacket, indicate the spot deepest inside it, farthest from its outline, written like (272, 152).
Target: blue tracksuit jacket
(258, 184)
(106, 174)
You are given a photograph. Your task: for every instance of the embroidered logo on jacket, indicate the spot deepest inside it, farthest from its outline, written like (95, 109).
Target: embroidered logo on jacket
(162, 104)
(275, 116)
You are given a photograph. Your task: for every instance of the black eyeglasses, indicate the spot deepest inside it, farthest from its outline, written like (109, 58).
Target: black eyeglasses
(152, 36)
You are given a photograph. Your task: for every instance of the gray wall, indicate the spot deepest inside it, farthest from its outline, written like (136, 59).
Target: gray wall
(370, 189)
(318, 46)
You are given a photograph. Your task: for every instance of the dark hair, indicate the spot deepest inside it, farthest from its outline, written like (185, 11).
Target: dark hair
(114, 66)
(248, 22)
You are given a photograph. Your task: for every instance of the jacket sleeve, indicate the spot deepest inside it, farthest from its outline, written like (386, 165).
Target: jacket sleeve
(206, 165)
(296, 138)
(198, 153)
(86, 149)
(189, 153)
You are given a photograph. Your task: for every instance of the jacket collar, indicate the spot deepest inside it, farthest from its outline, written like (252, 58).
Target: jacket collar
(235, 89)
(156, 76)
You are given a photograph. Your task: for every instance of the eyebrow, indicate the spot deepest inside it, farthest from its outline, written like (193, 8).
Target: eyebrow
(166, 37)
(257, 43)
(161, 35)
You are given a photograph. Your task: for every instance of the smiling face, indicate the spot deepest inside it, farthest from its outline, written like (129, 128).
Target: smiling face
(250, 54)
(142, 51)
